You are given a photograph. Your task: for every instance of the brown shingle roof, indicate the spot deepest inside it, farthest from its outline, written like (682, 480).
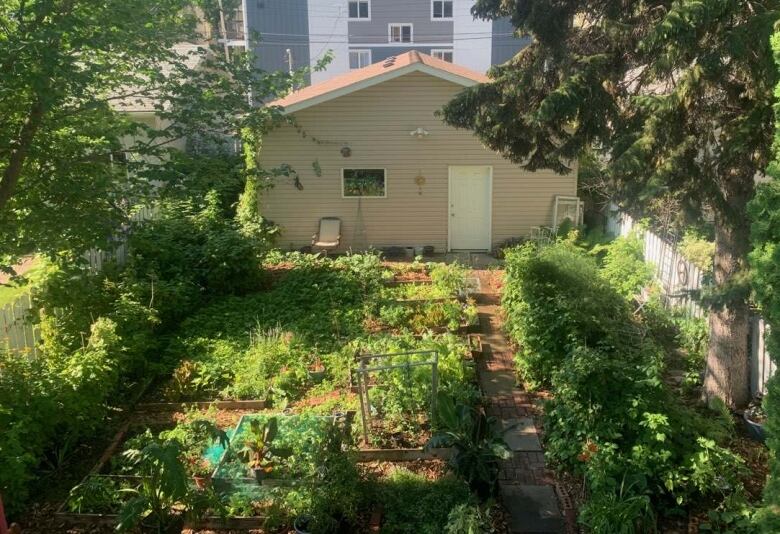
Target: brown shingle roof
(353, 80)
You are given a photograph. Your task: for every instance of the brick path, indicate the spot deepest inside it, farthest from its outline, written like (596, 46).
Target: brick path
(527, 487)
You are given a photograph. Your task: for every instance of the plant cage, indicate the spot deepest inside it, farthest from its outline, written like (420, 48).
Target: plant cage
(396, 385)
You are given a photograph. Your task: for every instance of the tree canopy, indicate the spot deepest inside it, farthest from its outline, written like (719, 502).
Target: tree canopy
(72, 163)
(676, 96)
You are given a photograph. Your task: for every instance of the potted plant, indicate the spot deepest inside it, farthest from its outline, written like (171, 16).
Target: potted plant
(258, 452)
(163, 496)
(755, 417)
(317, 371)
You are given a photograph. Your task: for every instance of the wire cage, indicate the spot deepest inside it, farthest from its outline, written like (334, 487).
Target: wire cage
(393, 385)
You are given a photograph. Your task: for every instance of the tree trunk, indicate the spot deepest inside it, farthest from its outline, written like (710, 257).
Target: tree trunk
(727, 375)
(21, 146)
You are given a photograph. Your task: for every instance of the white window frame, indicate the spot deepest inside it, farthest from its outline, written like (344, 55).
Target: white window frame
(400, 25)
(442, 11)
(366, 167)
(450, 51)
(359, 51)
(359, 17)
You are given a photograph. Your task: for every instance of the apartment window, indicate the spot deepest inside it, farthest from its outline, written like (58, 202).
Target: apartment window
(444, 55)
(363, 183)
(359, 59)
(441, 9)
(400, 33)
(359, 9)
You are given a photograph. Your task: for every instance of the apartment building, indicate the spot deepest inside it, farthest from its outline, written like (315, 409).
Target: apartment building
(295, 33)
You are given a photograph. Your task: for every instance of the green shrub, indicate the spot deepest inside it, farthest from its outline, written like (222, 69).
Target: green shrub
(413, 503)
(555, 299)
(612, 418)
(623, 264)
(697, 250)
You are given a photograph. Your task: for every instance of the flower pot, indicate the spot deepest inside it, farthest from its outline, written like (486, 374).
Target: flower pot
(317, 375)
(754, 429)
(301, 524)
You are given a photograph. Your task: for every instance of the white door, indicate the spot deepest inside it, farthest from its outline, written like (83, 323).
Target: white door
(470, 206)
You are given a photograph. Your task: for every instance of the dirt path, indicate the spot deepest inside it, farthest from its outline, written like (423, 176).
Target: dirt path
(527, 487)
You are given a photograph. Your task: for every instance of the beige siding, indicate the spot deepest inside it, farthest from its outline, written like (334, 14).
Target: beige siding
(375, 123)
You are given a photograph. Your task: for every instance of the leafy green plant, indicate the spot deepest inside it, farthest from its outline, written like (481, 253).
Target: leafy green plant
(623, 264)
(468, 519)
(164, 489)
(626, 509)
(697, 250)
(479, 449)
(95, 495)
(449, 277)
(257, 451)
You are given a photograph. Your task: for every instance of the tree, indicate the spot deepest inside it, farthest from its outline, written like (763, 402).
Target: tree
(677, 98)
(72, 164)
(765, 264)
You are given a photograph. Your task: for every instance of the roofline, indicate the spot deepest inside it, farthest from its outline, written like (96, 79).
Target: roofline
(379, 78)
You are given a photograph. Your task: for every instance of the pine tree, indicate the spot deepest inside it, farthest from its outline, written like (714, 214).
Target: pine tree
(677, 97)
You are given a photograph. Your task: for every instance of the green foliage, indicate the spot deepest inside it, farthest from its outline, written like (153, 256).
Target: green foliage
(479, 449)
(611, 419)
(624, 265)
(73, 157)
(697, 250)
(449, 277)
(164, 488)
(765, 263)
(413, 503)
(468, 519)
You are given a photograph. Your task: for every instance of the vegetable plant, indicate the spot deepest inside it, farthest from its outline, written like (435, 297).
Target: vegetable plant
(479, 448)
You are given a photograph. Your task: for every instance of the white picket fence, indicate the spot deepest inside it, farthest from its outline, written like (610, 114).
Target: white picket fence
(18, 333)
(679, 278)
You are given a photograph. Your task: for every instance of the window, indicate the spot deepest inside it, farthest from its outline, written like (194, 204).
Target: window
(359, 9)
(400, 33)
(441, 9)
(363, 183)
(444, 55)
(359, 59)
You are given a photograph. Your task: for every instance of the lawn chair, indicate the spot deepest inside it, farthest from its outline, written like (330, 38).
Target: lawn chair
(329, 235)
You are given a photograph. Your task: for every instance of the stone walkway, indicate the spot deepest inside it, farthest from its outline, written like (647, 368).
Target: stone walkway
(527, 487)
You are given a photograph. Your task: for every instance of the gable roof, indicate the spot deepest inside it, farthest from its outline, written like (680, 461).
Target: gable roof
(392, 67)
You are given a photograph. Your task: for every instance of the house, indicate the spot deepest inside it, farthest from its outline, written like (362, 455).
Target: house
(297, 33)
(367, 147)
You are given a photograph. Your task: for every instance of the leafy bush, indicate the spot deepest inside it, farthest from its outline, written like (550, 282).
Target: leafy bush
(623, 265)
(697, 250)
(414, 504)
(612, 418)
(555, 299)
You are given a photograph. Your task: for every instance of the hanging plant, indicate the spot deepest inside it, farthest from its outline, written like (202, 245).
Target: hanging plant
(317, 168)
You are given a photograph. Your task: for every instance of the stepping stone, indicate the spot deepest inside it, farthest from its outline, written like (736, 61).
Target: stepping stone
(520, 434)
(495, 383)
(532, 509)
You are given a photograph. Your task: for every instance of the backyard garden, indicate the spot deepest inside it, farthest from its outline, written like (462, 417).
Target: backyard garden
(213, 383)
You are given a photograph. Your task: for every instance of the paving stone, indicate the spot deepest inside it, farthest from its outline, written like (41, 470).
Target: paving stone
(495, 383)
(532, 509)
(520, 434)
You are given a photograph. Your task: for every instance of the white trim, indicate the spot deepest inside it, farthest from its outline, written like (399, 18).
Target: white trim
(390, 26)
(434, 51)
(490, 204)
(359, 19)
(246, 23)
(359, 51)
(442, 18)
(401, 45)
(384, 169)
(380, 78)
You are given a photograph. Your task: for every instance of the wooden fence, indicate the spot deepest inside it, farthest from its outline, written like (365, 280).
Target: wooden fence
(18, 333)
(681, 280)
